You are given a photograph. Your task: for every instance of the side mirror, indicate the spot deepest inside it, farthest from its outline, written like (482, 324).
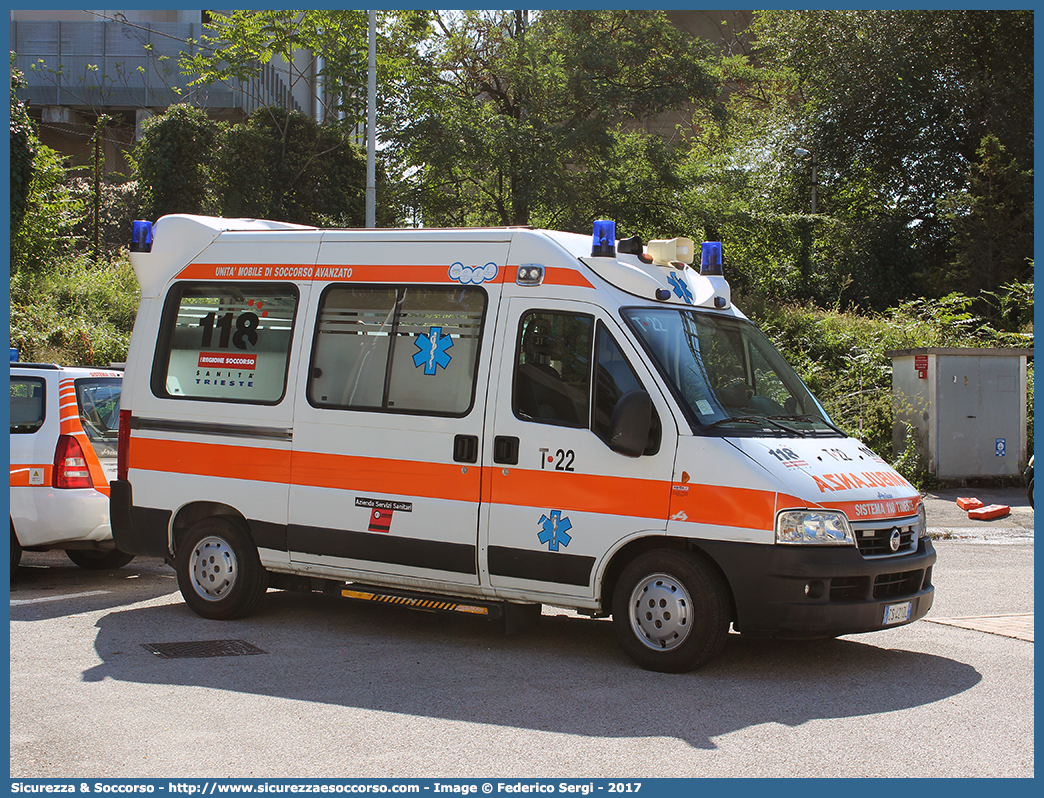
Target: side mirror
(629, 427)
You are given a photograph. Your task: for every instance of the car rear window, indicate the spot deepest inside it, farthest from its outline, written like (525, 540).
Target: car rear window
(27, 404)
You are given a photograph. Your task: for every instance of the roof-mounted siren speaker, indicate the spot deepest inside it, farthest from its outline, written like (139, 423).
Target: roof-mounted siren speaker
(676, 250)
(603, 241)
(710, 260)
(141, 237)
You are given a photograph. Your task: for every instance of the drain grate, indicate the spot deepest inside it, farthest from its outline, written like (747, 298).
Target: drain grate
(202, 648)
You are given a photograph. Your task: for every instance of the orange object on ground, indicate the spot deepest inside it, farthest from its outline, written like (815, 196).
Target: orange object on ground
(992, 511)
(969, 504)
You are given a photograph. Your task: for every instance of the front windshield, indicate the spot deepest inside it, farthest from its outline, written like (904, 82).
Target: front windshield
(726, 374)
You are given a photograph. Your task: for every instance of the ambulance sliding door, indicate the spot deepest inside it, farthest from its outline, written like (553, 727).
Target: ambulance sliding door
(559, 498)
(386, 467)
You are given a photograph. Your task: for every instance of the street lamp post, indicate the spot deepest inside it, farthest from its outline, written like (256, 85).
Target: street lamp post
(802, 152)
(371, 123)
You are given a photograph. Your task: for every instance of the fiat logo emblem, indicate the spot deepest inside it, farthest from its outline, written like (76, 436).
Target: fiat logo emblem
(894, 540)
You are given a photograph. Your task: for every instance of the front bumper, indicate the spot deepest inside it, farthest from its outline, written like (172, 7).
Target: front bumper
(808, 591)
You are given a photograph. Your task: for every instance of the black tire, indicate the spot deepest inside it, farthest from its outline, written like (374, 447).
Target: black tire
(16, 551)
(98, 560)
(671, 611)
(1029, 493)
(219, 571)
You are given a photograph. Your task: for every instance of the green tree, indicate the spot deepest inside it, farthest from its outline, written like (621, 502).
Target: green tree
(494, 117)
(326, 50)
(278, 165)
(283, 165)
(173, 158)
(993, 222)
(894, 104)
(24, 143)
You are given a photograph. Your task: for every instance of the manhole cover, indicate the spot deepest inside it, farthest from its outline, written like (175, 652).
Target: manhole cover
(202, 648)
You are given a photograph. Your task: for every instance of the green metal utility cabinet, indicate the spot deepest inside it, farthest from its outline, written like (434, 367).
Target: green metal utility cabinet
(967, 408)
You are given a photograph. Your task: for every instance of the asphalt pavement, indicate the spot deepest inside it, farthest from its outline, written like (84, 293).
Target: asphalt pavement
(316, 686)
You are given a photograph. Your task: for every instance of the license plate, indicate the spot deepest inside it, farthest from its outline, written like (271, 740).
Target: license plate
(897, 613)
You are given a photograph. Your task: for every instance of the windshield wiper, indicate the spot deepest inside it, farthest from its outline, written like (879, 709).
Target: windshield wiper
(759, 420)
(811, 417)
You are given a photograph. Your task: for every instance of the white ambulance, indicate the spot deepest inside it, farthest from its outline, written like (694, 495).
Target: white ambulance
(488, 420)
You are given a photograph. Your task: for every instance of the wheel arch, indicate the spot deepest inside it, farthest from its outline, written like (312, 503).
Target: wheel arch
(635, 548)
(190, 514)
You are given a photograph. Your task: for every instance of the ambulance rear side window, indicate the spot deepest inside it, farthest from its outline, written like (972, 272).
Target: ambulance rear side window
(226, 342)
(406, 350)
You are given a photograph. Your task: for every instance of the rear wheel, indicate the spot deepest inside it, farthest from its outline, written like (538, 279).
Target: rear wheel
(219, 571)
(671, 611)
(97, 559)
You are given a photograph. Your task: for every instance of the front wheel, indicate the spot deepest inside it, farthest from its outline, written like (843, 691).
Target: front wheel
(219, 571)
(671, 611)
(98, 559)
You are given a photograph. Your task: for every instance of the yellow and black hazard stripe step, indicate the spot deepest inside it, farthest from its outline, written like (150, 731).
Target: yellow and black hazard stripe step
(420, 601)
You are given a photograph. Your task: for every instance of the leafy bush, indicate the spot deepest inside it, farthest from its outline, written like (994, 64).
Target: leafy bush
(51, 212)
(78, 312)
(173, 158)
(841, 357)
(118, 209)
(284, 165)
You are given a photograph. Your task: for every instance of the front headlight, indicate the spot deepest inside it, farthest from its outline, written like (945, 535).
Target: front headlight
(814, 526)
(922, 522)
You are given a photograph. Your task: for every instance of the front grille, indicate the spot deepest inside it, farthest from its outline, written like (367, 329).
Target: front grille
(846, 588)
(902, 584)
(875, 540)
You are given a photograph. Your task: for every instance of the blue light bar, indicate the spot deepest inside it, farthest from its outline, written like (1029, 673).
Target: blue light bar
(710, 258)
(141, 237)
(603, 244)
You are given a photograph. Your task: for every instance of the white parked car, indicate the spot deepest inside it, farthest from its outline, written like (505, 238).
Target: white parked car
(63, 453)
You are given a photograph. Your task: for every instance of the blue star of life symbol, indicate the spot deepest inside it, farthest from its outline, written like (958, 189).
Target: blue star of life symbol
(681, 289)
(432, 348)
(554, 530)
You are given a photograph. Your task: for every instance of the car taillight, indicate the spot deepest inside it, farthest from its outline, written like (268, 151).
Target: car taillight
(70, 466)
(123, 445)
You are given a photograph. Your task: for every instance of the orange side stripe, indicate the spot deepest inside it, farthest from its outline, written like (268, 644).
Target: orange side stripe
(704, 504)
(339, 472)
(20, 475)
(589, 493)
(614, 495)
(377, 475)
(210, 460)
(364, 272)
(326, 272)
(557, 275)
(723, 506)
